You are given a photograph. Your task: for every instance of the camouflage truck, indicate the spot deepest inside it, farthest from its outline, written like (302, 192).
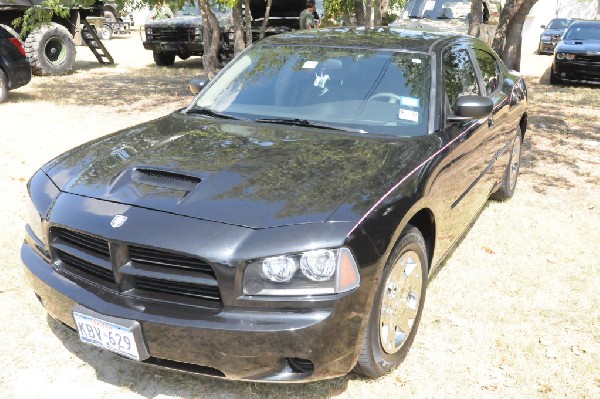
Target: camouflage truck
(50, 48)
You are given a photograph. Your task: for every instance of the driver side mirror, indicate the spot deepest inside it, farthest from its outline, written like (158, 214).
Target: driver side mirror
(472, 107)
(197, 84)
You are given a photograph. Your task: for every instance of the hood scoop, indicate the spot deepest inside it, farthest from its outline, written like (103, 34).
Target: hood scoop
(165, 179)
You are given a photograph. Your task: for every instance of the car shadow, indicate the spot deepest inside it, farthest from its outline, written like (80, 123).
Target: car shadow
(150, 382)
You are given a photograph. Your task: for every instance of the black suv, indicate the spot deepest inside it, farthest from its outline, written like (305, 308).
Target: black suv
(15, 70)
(182, 36)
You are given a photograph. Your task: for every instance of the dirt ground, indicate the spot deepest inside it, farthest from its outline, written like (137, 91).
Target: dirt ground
(513, 313)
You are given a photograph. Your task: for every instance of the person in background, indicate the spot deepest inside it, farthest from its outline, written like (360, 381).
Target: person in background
(328, 21)
(161, 11)
(307, 18)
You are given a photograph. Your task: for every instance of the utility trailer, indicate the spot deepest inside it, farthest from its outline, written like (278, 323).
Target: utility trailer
(50, 48)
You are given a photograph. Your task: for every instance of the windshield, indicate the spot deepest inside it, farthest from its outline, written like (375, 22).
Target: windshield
(583, 32)
(366, 91)
(438, 9)
(559, 24)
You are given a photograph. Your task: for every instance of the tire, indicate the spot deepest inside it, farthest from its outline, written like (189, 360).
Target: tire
(511, 173)
(50, 50)
(554, 80)
(165, 58)
(379, 354)
(106, 32)
(109, 16)
(3, 86)
(11, 31)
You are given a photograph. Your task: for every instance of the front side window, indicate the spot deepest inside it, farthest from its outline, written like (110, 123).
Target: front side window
(361, 90)
(459, 76)
(489, 70)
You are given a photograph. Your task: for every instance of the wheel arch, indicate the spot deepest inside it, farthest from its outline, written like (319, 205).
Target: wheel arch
(424, 221)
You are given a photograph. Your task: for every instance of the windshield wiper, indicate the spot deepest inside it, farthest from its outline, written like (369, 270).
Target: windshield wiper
(209, 112)
(306, 123)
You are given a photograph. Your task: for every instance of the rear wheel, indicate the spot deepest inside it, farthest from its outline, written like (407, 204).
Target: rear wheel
(511, 174)
(397, 307)
(106, 32)
(50, 50)
(165, 58)
(3, 86)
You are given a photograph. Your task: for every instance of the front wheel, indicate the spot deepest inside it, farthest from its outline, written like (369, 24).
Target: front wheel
(397, 307)
(164, 58)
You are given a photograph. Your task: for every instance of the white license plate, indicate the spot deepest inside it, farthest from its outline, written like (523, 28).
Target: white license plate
(107, 335)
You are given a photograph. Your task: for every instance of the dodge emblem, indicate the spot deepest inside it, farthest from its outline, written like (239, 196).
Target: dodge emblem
(118, 221)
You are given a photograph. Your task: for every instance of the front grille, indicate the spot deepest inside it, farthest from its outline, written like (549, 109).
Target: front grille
(72, 262)
(592, 59)
(153, 257)
(95, 245)
(152, 273)
(177, 288)
(174, 35)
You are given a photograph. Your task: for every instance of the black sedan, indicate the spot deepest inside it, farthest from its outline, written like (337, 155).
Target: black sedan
(284, 225)
(552, 34)
(577, 56)
(15, 70)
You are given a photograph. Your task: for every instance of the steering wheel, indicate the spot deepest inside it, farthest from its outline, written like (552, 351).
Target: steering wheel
(392, 98)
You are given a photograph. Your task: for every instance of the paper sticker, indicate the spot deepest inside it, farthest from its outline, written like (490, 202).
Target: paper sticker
(310, 64)
(408, 115)
(409, 101)
(416, 61)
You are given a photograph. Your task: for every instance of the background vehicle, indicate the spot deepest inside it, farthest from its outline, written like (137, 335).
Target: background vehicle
(15, 70)
(182, 36)
(577, 55)
(552, 34)
(50, 49)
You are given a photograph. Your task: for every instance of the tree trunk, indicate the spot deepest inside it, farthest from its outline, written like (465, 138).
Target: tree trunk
(248, 22)
(377, 13)
(475, 17)
(368, 12)
(507, 41)
(263, 27)
(238, 28)
(212, 40)
(359, 11)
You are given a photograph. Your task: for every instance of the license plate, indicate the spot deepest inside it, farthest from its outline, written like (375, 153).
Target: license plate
(122, 337)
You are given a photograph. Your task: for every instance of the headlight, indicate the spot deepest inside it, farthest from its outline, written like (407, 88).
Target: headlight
(197, 31)
(570, 57)
(231, 36)
(320, 272)
(34, 220)
(560, 56)
(148, 31)
(546, 37)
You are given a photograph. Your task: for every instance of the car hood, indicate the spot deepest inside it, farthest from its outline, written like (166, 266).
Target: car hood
(183, 21)
(588, 46)
(247, 175)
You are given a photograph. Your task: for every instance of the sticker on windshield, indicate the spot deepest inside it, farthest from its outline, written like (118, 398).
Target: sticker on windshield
(409, 101)
(408, 115)
(416, 61)
(310, 64)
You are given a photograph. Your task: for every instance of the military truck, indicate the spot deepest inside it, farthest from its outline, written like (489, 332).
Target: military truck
(182, 36)
(50, 48)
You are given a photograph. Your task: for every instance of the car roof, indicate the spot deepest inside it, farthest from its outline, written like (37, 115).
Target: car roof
(417, 40)
(584, 23)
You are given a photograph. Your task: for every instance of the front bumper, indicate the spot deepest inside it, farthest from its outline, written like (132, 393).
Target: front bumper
(546, 47)
(232, 344)
(242, 338)
(584, 71)
(191, 48)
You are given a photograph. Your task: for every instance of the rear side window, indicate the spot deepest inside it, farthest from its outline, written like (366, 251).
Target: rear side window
(459, 76)
(489, 70)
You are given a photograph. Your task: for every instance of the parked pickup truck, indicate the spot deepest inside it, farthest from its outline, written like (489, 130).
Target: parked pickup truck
(181, 36)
